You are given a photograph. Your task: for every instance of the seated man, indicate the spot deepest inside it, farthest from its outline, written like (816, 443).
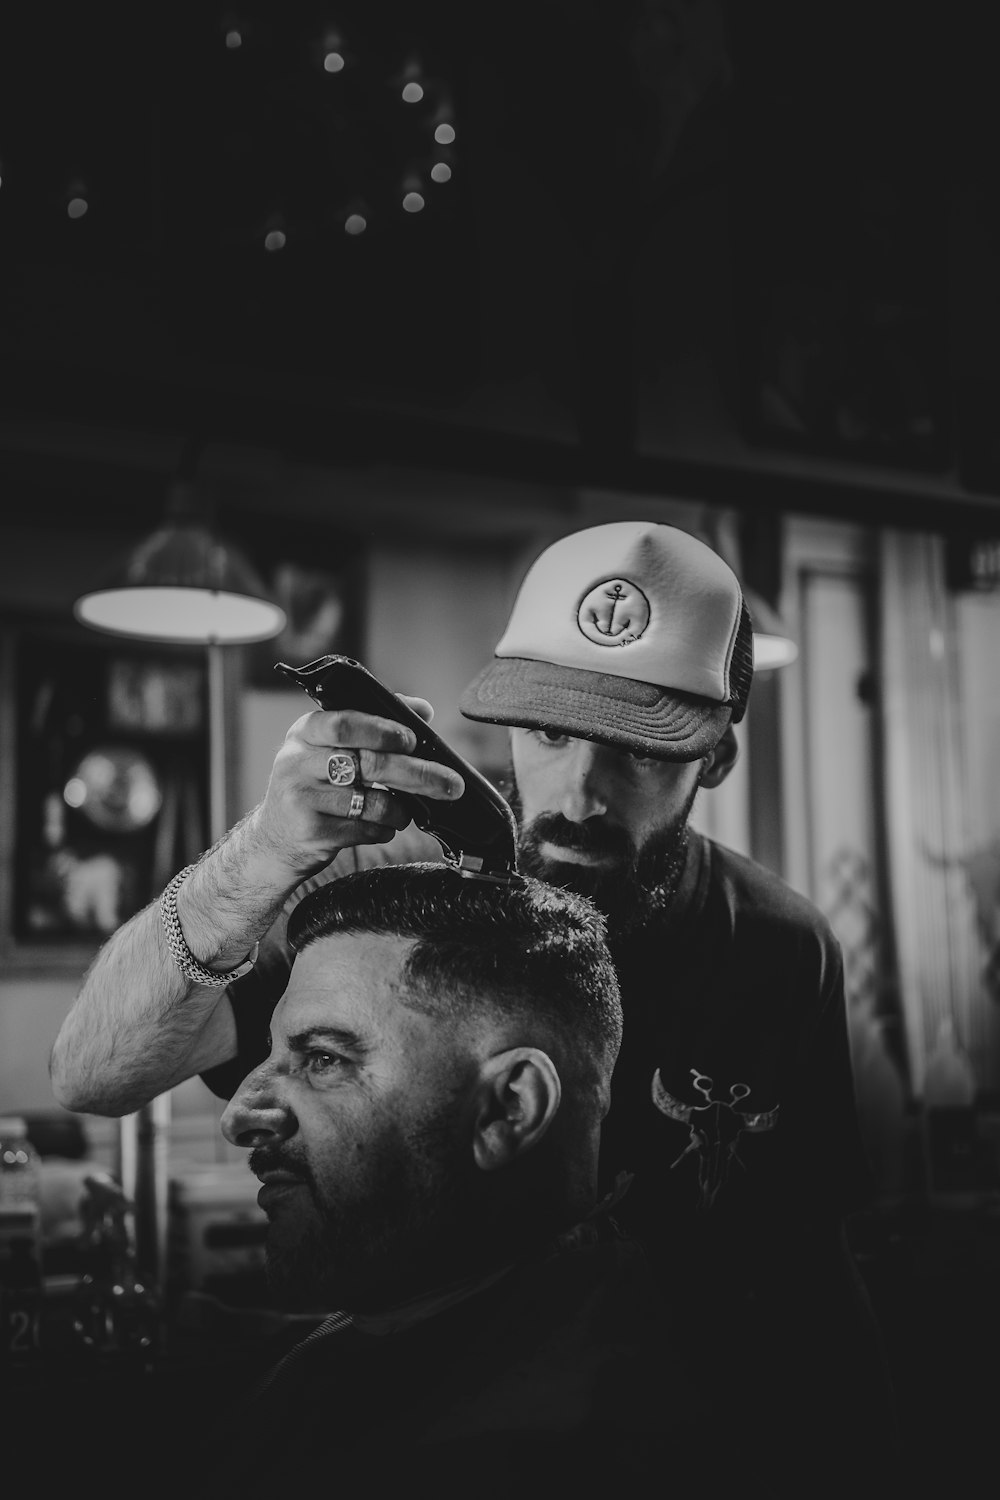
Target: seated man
(426, 1128)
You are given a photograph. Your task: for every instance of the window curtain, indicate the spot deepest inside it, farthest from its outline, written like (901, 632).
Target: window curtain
(941, 740)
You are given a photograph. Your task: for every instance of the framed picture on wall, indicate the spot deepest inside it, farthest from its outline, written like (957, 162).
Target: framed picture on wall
(323, 605)
(844, 322)
(106, 794)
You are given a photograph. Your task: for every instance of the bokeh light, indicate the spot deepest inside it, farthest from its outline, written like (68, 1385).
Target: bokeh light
(444, 134)
(333, 62)
(77, 207)
(413, 202)
(274, 240)
(413, 92)
(355, 224)
(441, 172)
(75, 792)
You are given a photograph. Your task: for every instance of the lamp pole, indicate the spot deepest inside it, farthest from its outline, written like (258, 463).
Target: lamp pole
(145, 1135)
(182, 585)
(217, 749)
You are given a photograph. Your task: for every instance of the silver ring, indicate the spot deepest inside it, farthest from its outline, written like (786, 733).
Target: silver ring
(357, 806)
(343, 768)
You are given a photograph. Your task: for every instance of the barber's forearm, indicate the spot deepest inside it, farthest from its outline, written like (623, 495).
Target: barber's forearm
(139, 1027)
(234, 894)
(136, 1027)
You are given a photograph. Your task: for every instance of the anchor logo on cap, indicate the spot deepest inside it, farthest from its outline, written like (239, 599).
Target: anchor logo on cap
(614, 613)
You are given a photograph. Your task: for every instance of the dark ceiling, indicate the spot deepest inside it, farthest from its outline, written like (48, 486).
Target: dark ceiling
(799, 198)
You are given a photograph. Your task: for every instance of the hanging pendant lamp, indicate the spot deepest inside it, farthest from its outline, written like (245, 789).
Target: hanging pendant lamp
(772, 645)
(184, 584)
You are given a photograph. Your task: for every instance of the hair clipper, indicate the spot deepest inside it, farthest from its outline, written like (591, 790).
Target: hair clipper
(478, 833)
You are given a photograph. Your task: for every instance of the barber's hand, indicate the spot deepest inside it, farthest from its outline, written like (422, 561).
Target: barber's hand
(304, 820)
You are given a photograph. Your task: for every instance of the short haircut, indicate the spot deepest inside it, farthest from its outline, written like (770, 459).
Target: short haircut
(524, 950)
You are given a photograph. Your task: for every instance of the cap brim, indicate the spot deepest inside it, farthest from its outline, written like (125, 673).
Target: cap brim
(637, 716)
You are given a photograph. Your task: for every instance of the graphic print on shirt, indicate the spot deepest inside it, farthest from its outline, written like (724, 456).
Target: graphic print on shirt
(715, 1128)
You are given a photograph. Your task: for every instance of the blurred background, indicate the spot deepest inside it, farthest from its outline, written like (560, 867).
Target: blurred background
(388, 296)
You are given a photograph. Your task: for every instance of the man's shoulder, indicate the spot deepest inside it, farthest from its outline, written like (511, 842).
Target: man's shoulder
(752, 892)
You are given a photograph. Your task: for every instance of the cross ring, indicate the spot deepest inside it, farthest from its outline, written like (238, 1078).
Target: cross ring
(343, 768)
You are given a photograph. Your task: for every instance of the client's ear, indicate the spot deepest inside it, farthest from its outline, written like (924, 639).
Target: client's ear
(519, 1093)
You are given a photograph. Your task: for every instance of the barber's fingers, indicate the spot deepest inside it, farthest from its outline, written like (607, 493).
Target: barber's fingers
(404, 773)
(381, 762)
(353, 730)
(419, 706)
(364, 726)
(365, 808)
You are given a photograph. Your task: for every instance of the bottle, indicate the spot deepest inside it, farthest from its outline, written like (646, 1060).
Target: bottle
(21, 1280)
(118, 1314)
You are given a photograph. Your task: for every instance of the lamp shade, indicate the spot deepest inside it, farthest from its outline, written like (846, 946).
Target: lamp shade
(772, 645)
(184, 584)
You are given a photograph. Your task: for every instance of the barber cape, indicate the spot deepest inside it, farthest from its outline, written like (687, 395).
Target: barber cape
(556, 1371)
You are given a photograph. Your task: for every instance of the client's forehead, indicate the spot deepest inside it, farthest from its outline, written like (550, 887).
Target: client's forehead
(355, 981)
(348, 978)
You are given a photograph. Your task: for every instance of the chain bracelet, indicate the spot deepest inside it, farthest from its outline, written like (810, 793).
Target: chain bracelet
(179, 950)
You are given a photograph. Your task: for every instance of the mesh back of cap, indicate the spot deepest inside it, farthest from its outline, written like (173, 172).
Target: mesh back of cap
(741, 666)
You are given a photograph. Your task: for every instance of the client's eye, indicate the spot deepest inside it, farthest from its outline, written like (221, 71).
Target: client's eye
(318, 1061)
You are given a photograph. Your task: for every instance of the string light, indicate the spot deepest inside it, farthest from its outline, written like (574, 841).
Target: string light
(76, 200)
(334, 60)
(356, 215)
(335, 57)
(413, 89)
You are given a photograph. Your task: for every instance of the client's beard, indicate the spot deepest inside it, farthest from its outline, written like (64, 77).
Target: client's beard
(636, 886)
(401, 1235)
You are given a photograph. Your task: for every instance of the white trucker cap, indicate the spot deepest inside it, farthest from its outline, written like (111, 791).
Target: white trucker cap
(633, 633)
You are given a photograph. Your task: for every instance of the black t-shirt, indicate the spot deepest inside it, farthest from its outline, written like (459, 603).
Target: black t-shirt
(734, 1088)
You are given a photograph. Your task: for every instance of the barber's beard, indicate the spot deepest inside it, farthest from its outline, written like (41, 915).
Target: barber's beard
(631, 886)
(382, 1246)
